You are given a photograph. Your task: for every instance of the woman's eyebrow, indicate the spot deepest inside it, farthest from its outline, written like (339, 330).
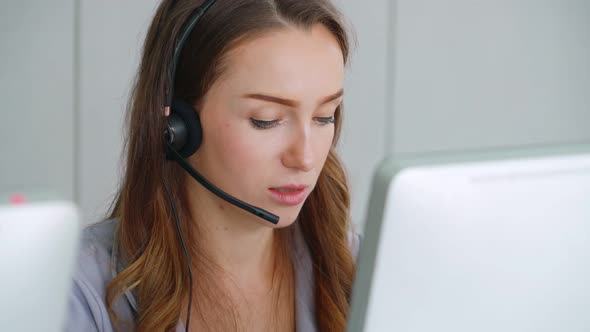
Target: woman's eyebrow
(291, 102)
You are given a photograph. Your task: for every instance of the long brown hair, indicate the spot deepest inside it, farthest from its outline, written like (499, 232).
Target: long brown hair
(155, 269)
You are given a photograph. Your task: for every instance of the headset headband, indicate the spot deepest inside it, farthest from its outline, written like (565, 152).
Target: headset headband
(184, 33)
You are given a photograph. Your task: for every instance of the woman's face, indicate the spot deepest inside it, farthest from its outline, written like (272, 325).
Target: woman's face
(268, 120)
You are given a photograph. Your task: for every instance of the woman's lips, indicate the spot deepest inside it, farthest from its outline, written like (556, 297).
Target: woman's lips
(289, 195)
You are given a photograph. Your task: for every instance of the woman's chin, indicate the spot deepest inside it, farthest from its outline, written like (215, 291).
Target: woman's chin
(285, 222)
(286, 219)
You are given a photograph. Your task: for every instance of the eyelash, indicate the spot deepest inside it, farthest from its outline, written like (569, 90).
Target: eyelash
(262, 124)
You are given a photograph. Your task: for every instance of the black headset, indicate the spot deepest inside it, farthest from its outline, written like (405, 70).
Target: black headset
(183, 136)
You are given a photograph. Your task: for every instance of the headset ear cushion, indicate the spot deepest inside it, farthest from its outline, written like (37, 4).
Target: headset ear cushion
(191, 120)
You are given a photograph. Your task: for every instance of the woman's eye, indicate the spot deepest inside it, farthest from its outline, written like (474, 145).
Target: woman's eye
(263, 124)
(325, 120)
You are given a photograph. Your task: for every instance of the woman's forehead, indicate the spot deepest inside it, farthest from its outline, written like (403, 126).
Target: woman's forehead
(287, 60)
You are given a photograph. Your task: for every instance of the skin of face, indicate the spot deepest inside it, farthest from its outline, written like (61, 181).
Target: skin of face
(305, 70)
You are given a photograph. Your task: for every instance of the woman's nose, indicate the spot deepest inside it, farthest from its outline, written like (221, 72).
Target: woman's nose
(299, 154)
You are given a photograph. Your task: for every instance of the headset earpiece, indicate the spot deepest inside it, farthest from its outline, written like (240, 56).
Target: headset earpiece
(183, 130)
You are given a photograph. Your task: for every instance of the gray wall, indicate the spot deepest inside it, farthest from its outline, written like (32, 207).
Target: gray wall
(37, 142)
(471, 74)
(426, 76)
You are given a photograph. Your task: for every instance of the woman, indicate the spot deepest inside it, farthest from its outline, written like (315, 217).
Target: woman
(265, 78)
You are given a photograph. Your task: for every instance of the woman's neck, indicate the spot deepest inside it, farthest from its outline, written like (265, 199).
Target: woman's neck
(256, 273)
(233, 239)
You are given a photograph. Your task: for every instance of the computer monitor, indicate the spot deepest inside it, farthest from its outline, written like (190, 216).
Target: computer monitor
(38, 243)
(489, 245)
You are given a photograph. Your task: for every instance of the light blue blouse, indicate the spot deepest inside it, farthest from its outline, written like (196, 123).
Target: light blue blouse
(98, 264)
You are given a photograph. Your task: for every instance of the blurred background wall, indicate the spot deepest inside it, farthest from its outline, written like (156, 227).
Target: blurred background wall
(426, 76)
